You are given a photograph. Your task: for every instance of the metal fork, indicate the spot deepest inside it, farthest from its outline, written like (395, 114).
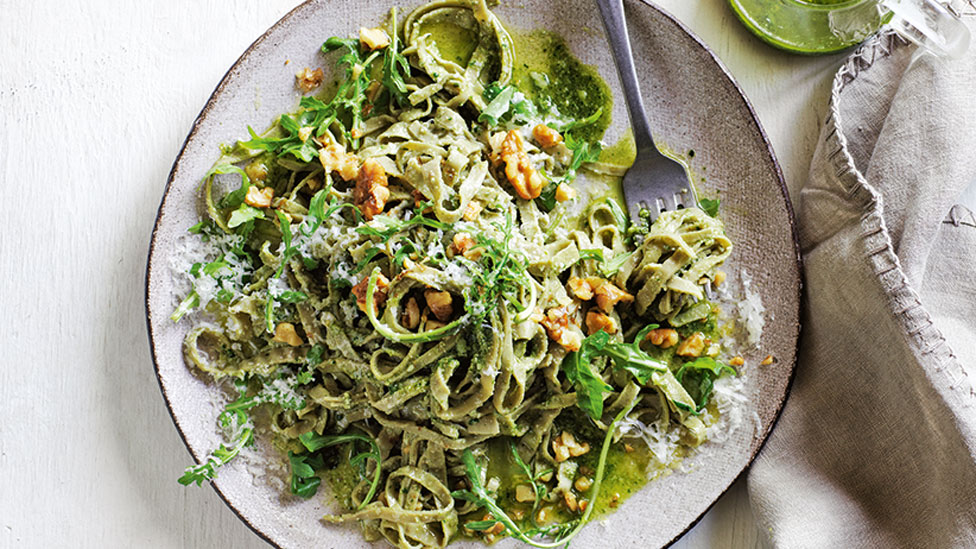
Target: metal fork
(655, 182)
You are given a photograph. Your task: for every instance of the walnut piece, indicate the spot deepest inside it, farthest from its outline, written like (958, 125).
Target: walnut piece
(565, 446)
(411, 314)
(663, 337)
(520, 173)
(440, 304)
(564, 192)
(259, 198)
(379, 294)
(334, 157)
(608, 294)
(472, 211)
(466, 246)
(562, 328)
(256, 171)
(371, 192)
(307, 79)
(596, 321)
(285, 333)
(374, 39)
(692, 346)
(546, 137)
(580, 288)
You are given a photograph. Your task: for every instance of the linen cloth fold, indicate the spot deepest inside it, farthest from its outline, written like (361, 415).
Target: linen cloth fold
(876, 446)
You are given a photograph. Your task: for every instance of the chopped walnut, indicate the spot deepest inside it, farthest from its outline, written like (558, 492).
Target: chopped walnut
(334, 157)
(285, 333)
(608, 294)
(520, 173)
(564, 192)
(374, 39)
(562, 328)
(596, 321)
(663, 337)
(583, 504)
(371, 192)
(583, 483)
(307, 79)
(692, 346)
(472, 211)
(466, 246)
(580, 288)
(379, 294)
(524, 493)
(440, 304)
(542, 517)
(259, 198)
(433, 325)
(737, 361)
(570, 499)
(411, 314)
(546, 136)
(565, 446)
(256, 171)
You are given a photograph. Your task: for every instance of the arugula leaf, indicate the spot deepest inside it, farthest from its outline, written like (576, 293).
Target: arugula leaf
(395, 66)
(547, 198)
(312, 359)
(243, 214)
(573, 124)
(498, 106)
(191, 301)
(499, 274)
(304, 483)
(591, 254)
(589, 385)
(698, 377)
(224, 453)
(234, 198)
(611, 266)
(538, 489)
(314, 442)
(583, 152)
(384, 226)
(709, 206)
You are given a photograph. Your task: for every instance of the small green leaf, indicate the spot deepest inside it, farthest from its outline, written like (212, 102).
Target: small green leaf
(709, 206)
(589, 386)
(243, 214)
(497, 107)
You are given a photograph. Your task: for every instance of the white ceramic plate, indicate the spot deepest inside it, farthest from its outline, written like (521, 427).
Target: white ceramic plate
(693, 104)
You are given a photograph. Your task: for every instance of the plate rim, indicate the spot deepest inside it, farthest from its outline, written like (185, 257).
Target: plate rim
(754, 119)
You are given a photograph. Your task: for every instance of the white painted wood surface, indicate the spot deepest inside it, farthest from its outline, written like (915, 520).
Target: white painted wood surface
(96, 98)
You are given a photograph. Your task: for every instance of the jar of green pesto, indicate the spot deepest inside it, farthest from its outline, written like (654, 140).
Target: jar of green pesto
(825, 26)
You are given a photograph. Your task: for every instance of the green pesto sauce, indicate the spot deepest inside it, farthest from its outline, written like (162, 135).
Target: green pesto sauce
(342, 479)
(455, 40)
(574, 88)
(622, 153)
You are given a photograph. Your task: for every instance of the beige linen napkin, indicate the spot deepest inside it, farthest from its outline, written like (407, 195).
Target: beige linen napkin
(876, 446)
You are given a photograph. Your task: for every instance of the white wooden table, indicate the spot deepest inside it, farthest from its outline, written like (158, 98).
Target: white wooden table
(96, 98)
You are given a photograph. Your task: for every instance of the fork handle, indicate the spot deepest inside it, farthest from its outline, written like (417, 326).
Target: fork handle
(615, 23)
